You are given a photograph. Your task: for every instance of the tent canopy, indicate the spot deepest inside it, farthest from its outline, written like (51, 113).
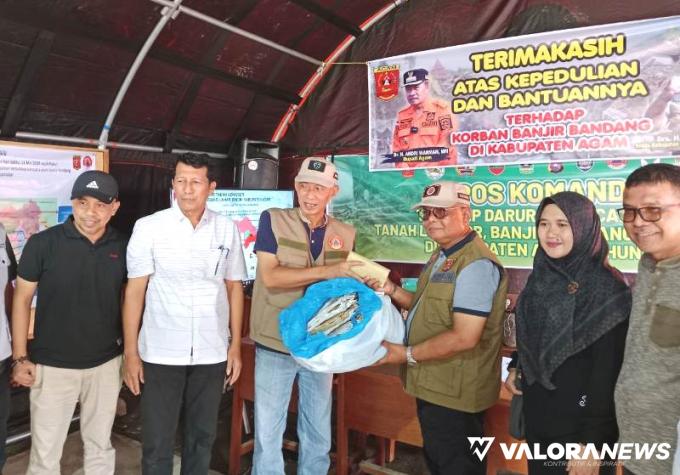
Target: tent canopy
(204, 85)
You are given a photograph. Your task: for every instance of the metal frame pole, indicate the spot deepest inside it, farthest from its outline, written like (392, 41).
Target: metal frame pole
(170, 11)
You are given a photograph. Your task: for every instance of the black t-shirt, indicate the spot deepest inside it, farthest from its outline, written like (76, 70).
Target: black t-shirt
(78, 322)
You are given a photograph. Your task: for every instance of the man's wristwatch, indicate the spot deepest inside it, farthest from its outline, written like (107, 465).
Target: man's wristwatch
(410, 360)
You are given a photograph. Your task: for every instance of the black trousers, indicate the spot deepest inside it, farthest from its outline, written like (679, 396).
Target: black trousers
(558, 467)
(192, 392)
(4, 407)
(445, 439)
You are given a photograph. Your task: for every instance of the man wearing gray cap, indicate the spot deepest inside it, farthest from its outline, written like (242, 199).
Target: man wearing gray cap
(454, 330)
(425, 124)
(295, 248)
(78, 268)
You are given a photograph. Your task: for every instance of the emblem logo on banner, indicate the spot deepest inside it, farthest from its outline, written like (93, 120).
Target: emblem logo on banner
(496, 170)
(555, 167)
(526, 169)
(616, 164)
(465, 171)
(585, 165)
(386, 82)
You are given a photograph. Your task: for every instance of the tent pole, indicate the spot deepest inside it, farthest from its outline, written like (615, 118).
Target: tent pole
(307, 89)
(226, 26)
(169, 12)
(120, 145)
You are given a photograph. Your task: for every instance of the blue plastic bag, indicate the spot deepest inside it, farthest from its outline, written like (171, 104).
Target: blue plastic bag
(365, 349)
(293, 319)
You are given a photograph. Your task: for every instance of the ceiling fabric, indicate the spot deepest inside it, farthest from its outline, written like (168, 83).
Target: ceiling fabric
(201, 87)
(335, 118)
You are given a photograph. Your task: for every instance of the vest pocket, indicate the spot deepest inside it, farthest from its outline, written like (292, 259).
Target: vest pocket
(665, 328)
(438, 313)
(292, 253)
(444, 377)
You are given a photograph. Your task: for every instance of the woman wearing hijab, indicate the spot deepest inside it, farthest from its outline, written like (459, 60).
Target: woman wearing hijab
(572, 319)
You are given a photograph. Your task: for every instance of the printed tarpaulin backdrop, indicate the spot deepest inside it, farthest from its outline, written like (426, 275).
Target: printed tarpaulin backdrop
(581, 94)
(504, 201)
(35, 186)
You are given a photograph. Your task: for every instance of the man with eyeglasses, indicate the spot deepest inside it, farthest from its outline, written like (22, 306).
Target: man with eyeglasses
(454, 330)
(648, 388)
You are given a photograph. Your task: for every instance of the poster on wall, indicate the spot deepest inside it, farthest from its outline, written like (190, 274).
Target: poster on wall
(244, 208)
(503, 198)
(35, 186)
(594, 93)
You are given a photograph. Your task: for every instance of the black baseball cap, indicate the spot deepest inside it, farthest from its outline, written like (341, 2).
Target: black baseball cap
(97, 184)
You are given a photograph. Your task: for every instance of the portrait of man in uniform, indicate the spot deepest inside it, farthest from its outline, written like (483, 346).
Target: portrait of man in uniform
(425, 124)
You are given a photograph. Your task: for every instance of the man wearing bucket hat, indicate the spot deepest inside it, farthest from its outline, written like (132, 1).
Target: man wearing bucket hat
(78, 268)
(454, 331)
(295, 248)
(425, 123)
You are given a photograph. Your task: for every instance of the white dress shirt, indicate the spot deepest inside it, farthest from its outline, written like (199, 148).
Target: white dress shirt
(186, 316)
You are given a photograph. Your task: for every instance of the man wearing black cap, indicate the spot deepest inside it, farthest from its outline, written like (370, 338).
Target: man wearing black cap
(78, 268)
(425, 123)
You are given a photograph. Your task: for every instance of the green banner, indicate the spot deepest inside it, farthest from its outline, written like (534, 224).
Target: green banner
(504, 202)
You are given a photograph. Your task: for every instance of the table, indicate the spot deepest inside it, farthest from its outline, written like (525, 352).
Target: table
(369, 401)
(372, 401)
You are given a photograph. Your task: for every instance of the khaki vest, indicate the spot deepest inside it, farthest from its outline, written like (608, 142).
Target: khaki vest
(293, 250)
(468, 381)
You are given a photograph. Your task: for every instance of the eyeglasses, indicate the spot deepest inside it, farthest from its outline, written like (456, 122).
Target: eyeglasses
(439, 213)
(651, 214)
